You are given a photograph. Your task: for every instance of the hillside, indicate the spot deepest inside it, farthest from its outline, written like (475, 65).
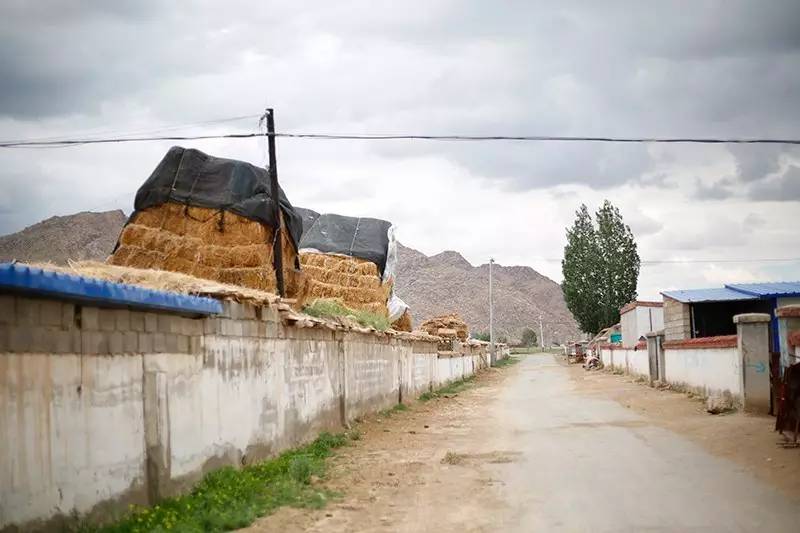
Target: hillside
(447, 282)
(80, 236)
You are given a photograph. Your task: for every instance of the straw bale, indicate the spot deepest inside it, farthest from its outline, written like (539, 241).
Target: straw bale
(404, 323)
(448, 326)
(212, 243)
(163, 281)
(353, 281)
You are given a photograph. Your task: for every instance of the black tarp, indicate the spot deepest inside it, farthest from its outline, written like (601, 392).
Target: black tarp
(189, 176)
(365, 238)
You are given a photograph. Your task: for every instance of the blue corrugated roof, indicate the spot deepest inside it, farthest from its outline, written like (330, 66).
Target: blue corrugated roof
(23, 278)
(708, 295)
(767, 290)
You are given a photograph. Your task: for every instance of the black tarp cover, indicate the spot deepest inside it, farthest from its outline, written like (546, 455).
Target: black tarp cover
(365, 238)
(189, 176)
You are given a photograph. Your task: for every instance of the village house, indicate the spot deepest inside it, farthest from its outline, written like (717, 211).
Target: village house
(697, 313)
(638, 318)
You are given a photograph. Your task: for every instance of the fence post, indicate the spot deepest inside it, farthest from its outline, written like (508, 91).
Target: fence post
(752, 330)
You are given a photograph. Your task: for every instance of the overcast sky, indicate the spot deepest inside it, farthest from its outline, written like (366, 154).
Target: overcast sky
(693, 68)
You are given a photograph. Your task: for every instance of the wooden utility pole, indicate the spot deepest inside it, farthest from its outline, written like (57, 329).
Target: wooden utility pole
(274, 191)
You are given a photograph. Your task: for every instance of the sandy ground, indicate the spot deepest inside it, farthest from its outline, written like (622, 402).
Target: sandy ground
(746, 439)
(522, 449)
(394, 478)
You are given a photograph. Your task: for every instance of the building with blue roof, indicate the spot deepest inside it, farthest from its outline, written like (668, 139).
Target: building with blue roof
(709, 312)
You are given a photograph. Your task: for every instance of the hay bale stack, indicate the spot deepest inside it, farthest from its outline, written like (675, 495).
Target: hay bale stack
(447, 326)
(355, 282)
(207, 243)
(404, 323)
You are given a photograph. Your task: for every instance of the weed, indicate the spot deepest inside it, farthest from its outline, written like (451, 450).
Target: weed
(230, 499)
(354, 434)
(327, 308)
(452, 458)
(425, 396)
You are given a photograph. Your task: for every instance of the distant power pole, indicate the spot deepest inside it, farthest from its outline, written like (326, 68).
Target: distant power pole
(541, 334)
(491, 315)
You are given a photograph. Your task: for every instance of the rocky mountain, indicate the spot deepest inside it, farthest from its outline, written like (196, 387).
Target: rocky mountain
(80, 236)
(446, 283)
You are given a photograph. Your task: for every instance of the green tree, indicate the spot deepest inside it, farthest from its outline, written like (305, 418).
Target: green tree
(580, 285)
(481, 336)
(600, 267)
(528, 337)
(619, 270)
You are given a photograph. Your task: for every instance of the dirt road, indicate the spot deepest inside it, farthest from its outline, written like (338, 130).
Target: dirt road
(543, 447)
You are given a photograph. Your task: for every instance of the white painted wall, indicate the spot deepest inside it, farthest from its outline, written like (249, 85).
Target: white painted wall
(605, 357)
(637, 322)
(75, 429)
(708, 371)
(71, 433)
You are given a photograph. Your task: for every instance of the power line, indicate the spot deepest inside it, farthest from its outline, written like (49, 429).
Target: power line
(384, 137)
(693, 261)
(92, 135)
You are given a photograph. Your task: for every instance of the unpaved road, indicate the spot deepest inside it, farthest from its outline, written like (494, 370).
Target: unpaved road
(543, 447)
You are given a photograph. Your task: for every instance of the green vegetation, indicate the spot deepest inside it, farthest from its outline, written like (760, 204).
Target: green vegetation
(508, 361)
(230, 499)
(325, 308)
(448, 390)
(600, 266)
(503, 339)
(386, 413)
(529, 337)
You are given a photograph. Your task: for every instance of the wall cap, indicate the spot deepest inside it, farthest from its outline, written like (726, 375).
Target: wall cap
(788, 311)
(751, 318)
(722, 341)
(652, 334)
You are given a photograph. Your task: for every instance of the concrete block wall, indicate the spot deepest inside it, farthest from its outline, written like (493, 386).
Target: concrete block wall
(100, 408)
(677, 320)
(705, 371)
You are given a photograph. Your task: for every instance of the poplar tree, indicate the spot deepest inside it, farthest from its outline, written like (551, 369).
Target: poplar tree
(580, 285)
(600, 267)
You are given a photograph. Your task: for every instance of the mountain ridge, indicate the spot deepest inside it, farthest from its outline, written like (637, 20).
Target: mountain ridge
(440, 284)
(446, 282)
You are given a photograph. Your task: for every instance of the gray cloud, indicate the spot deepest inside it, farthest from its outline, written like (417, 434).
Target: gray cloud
(718, 190)
(566, 68)
(783, 188)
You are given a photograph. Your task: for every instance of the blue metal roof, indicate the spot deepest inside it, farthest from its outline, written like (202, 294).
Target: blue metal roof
(23, 278)
(768, 290)
(708, 295)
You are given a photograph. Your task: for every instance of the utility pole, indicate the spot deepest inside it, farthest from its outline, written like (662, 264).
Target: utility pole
(491, 316)
(541, 334)
(274, 191)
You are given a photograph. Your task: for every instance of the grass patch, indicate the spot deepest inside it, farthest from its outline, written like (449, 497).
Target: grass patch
(326, 308)
(508, 361)
(229, 499)
(448, 390)
(386, 413)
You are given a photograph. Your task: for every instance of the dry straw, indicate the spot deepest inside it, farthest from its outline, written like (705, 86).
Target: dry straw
(209, 243)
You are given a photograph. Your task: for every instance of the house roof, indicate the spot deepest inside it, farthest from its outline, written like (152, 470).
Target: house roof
(767, 290)
(724, 294)
(630, 306)
(25, 279)
(735, 292)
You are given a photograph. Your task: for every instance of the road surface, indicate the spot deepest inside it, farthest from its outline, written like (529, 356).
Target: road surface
(528, 451)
